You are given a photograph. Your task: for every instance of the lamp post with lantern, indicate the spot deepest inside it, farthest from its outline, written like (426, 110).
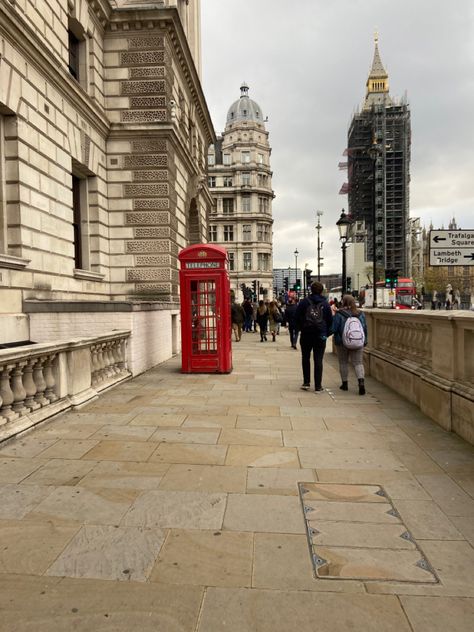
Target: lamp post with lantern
(343, 225)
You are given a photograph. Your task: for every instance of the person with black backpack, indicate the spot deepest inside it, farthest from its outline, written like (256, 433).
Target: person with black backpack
(350, 337)
(314, 320)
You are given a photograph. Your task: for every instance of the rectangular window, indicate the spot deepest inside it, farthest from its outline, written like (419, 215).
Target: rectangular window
(260, 159)
(246, 203)
(211, 181)
(228, 206)
(263, 205)
(4, 124)
(231, 261)
(247, 232)
(228, 232)
(211, 160)
(245, 157)
(263, 261)
(227, 181)
(246, 179)
(247, 261)
(78, 53)
(73, 55)
(80, 222)
(226, 159)
(212, 233)
(260, 231)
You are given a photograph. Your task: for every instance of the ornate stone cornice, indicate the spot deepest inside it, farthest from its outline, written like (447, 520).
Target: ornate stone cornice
(167, 19)
(23, 37)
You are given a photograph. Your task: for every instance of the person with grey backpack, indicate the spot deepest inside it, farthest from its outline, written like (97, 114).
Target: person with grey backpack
(350, 338)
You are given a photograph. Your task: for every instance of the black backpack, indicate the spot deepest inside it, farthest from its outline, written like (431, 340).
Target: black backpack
(314, 318)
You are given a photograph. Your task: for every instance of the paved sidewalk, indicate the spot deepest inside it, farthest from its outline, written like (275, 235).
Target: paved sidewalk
(171, 504)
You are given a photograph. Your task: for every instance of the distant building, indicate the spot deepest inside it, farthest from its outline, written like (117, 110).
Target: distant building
(291, 275)
(383, 126)
(240, 181)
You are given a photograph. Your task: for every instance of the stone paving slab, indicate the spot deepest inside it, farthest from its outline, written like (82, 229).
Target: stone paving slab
(160, 477)
(110, 552)
(255, 610)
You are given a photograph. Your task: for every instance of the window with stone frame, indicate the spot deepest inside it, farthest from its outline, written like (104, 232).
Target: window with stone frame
(260, 159)
(228, 232)
(246, 203)
(262, 204)
(263, 232)
(228, 206)
(228, 181)
(78, 51)
(10, 238)
(212, 232)
(247, 232)
(3, 188)
(246, 178)
(245, 157)
(81, 184)
(226, 159)
(211, 160)
(231, 256)
(247, 261)
(263, 261)
(211, 182)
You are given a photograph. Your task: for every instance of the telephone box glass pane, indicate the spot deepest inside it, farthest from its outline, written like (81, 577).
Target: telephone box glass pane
(203, 317)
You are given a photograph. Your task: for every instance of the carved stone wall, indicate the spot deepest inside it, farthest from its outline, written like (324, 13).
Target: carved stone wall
(428, 358)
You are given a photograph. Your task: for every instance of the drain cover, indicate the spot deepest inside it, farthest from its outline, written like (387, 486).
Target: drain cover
(355, 532)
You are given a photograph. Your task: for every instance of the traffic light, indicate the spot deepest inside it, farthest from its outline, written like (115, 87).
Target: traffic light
(308, 277)
(348, 284)
(285, 284)
(391, 278)
(254, 286)
(298, 285)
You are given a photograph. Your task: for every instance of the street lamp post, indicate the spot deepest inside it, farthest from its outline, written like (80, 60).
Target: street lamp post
(318, 228)
(296, 253)
(343, 224)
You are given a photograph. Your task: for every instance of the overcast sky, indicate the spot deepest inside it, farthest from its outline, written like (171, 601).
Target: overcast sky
(307, 62)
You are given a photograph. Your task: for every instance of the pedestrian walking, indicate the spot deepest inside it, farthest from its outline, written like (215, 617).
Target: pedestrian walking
(274, 319)
(237, 315)
(314, 321)
(248, 309)
(262, 320)
(290, 322)
(254, 315)
(350, 338)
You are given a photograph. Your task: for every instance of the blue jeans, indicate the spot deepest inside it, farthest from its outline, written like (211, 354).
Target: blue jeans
(293, 335)
(248, 323)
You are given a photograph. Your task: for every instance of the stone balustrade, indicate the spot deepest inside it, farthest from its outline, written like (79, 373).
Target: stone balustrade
(428, 357)
(37, 381)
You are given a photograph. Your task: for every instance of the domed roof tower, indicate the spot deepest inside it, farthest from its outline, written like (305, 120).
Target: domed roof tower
(244, 109)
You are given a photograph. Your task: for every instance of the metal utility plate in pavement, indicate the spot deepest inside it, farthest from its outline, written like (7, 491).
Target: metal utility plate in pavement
(354, 532)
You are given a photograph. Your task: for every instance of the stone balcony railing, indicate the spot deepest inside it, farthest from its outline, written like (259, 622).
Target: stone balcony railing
(428, 357)
(38, 381)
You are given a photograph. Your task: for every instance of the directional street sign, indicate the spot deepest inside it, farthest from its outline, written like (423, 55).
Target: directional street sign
(452, 247)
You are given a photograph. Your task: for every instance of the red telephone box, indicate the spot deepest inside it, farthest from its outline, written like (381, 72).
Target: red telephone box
(205, 310)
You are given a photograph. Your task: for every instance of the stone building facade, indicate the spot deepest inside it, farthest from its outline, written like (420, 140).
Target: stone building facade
(104, 132)
(240, 180)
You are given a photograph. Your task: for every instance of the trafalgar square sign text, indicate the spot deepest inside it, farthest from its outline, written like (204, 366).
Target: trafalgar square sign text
(452, 247)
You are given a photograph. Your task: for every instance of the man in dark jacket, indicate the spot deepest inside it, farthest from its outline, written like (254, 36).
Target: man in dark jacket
(314, 320)
(290, 322)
